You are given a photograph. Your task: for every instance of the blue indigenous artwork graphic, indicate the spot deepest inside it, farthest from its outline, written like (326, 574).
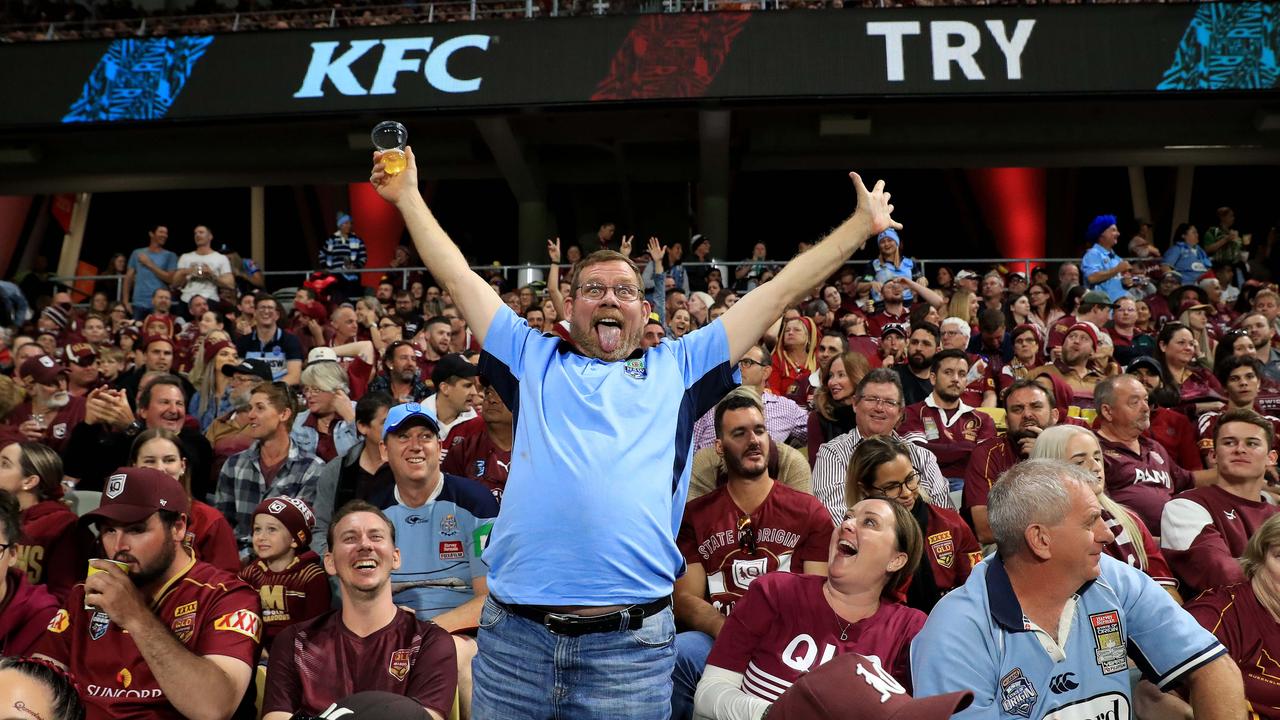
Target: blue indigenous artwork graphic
(138, 79)
(1227, 46)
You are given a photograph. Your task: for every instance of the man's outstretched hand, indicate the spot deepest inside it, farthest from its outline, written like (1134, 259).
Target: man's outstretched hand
(394, 188)
(874, 205)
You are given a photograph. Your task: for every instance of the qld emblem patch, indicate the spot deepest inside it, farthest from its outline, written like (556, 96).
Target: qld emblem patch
(401, 660)
(943, 548)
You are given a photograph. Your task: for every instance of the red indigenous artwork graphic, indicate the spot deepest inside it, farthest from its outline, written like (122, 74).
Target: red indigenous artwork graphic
(670, 56)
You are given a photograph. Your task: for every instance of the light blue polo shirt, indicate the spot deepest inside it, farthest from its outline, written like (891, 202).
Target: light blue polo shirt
(977, 639)
(600, 463)
(1097, 259)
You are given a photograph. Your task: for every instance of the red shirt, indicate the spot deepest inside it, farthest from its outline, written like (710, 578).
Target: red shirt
(1142, 481)
(58, 430)
(24, 613)
(987, 463)
(951, 435)
(211, 538)
(784, 627)
(1175, 432)
(299, 592)
(877, 320)
(1058, 331)
(325, 449)
(1204, 530)
(1251, 637)
(316, 662)
(951, 551)
(55, 547)
(359, 373)
(1124, 549)
(209, 611)
(790, 527)
(473, 454)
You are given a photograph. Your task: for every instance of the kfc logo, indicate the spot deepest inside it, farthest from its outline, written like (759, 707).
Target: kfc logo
(115, 485)
(432, 63)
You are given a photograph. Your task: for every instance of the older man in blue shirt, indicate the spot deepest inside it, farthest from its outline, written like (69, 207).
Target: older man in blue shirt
(1103, 269)
(583, 556)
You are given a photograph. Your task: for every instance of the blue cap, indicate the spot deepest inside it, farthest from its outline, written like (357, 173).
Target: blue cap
(889, 233)
(343, 218)
(403, 413)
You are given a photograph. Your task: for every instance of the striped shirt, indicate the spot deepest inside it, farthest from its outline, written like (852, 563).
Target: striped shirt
(783, 419)
(339, 253)
(832, 464)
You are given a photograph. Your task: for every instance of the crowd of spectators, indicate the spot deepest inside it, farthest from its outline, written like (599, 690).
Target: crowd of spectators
(324, 476)
(46, 21)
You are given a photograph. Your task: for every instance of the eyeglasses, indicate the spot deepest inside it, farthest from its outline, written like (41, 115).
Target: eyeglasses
(746, 535)
(6, 546)
(912, 483)
(877, 401)
(747, 362)
(625, 292)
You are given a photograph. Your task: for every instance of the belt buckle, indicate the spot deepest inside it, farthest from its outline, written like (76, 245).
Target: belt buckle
(549, 620)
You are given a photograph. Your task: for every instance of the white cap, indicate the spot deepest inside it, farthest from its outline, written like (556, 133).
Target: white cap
(322, 354)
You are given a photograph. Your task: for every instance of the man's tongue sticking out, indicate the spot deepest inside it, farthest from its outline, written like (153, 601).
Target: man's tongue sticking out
(609, 333)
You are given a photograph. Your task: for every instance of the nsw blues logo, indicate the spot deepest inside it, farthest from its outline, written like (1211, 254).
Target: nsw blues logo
(138, 79)
(1017, 694)
(635, 368)
(98, 625)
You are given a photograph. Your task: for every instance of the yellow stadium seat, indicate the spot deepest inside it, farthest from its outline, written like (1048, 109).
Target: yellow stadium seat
(997, 415)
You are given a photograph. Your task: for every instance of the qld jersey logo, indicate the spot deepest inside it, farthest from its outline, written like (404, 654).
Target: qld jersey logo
(115, 485)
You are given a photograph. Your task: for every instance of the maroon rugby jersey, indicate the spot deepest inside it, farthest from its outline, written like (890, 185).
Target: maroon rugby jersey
(1208, 425)
(783, 627)
(1204, 530)
(790, 528)
(299, 592)
(211, 538)
(951, 435)
(1142, 481)
(210, 612)
(987, 462)
(317, 662)
(55, 548)
(472, 454)
(58, 430)
(1251, 637)
(950, 547)
(1124, 549)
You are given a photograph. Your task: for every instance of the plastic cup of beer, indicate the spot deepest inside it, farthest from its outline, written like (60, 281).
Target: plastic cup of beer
(391, 137)
(95, 570)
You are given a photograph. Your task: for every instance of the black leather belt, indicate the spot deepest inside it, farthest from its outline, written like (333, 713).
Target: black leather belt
(628, 618)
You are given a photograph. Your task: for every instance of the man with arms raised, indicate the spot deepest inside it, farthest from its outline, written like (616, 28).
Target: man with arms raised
(1045, 628)
(878, 405)
(1204, 531)
(369, 644)
(743, 529)
(606, 431)
(1029, 409)
(171, 637)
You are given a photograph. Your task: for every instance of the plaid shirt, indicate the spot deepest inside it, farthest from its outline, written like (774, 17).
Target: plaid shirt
(241, 487)
(419, 391)
(783, 419)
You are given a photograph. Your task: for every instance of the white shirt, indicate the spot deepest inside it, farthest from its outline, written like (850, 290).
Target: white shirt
(218, 264)
(445, 427)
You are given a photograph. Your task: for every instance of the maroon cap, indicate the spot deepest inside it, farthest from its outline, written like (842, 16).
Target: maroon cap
(81, 353)
(149, 340)
(294, 514)
(853, 681)
(1087, 328)
(1193, 305)
(42, 369)
(132, 494)
(212, 349)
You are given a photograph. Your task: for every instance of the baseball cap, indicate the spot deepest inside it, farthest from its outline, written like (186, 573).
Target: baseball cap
(1087, 328)
(375, 705)
(132, 494)
(893, 329)
(405, 413)
(1096, 297)
(321, 354)
(1143, 361)
(966, 274)
(452, 365)
(853, 681)
(1193, 305)
(249, 366)
(81, 353)
(889, 233)
(42, 369)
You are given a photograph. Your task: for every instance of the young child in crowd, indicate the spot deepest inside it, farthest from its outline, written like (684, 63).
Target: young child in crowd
(290, 578)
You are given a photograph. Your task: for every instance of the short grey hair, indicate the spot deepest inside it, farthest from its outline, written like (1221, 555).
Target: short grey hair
(325, 376)
(1031, 492)
(1104, 393)
(953, 320)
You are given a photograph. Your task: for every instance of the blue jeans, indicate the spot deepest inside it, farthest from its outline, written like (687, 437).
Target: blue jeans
(692, 649)
(522, 670)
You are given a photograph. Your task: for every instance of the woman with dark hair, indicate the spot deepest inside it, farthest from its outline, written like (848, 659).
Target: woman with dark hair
(1044, 309)
(874, 550)
(55, 545)
(1194, 386)
(40, 688)
(209, 535)
(1185, 254)
(881, 468)
(112, 282)
(1071, 301)
(832, 413)
(1027, 355)
(700, 249)
(944, 280)
(923, 312)
(1235, 343)
(25, 609)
